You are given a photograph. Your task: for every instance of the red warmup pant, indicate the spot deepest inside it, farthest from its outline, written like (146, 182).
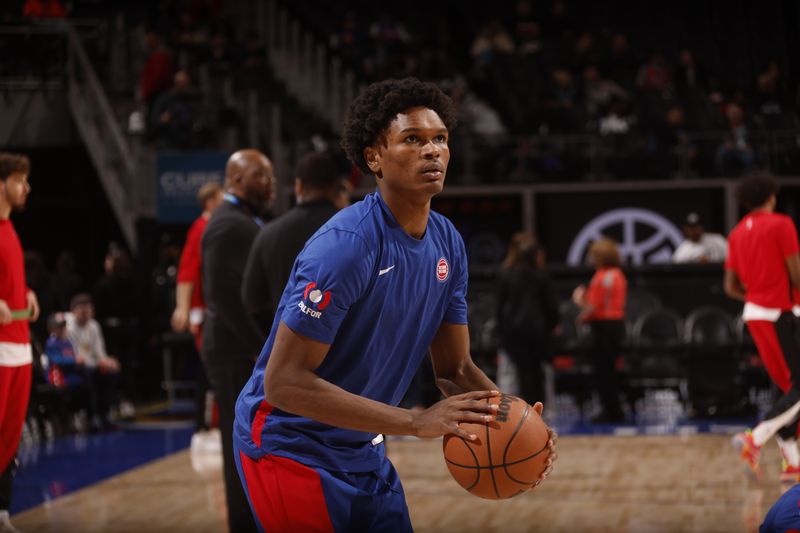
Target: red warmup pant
(765, 337)
(15, 390)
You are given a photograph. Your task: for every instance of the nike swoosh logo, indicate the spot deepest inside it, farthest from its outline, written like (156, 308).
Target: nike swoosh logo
(385, 270)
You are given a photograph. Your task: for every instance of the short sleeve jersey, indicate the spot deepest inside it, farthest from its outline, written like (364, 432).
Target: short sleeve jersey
(378, 296)
(757, 250)
(189, 266)
(12, 284)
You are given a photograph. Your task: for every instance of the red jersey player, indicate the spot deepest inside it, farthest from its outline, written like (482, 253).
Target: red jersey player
(18, 304)
(762, 267)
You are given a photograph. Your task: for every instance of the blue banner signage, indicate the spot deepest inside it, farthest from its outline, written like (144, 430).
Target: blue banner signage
(179, 176)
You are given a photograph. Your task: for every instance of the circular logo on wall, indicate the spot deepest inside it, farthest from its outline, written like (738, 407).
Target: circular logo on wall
(646, 236)
(442, 270)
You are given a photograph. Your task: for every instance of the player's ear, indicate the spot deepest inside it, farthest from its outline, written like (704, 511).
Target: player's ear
(373, 158)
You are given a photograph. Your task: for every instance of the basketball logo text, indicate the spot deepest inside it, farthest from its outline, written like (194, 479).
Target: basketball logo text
(504, 407)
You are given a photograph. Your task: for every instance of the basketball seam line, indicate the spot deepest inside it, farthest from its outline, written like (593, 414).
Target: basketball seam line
(498, 465)
(489, 453)
(474, 456)
(505, 451)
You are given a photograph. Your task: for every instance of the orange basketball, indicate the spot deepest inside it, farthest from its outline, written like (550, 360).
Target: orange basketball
(508, 456)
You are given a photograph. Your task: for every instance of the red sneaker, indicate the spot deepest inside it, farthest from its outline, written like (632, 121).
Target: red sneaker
(749, 452)
(789, 473)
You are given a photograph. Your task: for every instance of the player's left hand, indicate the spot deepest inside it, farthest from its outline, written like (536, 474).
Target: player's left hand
(551, 445)
(33, 305)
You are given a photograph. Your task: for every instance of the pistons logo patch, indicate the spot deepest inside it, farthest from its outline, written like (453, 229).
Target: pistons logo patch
(317, 300)
(442, 270)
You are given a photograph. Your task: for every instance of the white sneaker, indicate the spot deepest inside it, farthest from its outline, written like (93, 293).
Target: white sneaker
(126, 410)
(5, 523)
(212, 441)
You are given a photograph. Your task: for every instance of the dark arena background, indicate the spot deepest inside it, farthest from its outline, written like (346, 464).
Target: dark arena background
(578, 120)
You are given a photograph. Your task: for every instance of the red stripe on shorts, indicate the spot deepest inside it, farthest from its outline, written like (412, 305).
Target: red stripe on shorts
(769, 348)
(285, 495)
(258, 422)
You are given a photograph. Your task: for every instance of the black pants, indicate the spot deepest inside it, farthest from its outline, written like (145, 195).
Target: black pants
(607, 337)
(787, 332)
(228, 376)
(202, 418)
(527, 353)
(6, 480)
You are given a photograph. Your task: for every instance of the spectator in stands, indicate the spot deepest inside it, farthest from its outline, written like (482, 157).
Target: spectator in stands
(561, 113)
(349, 40)
(735, 155)
(64, 370)
(221, 56)
(585, 52)
(654, 75)
(232, 339)
(189, 304)
(172, 115)
(316, 187)
(700, 246)
(773, 111)
(492, 40)
(44, 9)
(100, 369)
(603, 307)
(119, 301)
(621, 63)
(618, 120)
(65, 282)
(671, 146)
(63, 367)
(559, 24)
(157, 73)
(599, 91)
(688, 76)
(527, 314)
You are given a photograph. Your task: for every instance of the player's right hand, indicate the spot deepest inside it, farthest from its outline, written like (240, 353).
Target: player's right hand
(179, 320)
(5, 313)
(443, 417)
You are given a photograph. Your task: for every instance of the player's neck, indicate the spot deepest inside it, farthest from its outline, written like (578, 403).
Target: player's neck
(411, 214)
(5, 211)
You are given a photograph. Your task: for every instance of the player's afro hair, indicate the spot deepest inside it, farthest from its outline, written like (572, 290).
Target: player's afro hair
(375, 109)
(753, 191)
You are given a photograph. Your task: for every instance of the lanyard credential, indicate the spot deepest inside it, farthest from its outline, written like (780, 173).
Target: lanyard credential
(228, 197)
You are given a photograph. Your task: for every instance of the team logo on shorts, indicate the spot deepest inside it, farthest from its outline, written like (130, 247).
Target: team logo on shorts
(442, 270)
(318, 299)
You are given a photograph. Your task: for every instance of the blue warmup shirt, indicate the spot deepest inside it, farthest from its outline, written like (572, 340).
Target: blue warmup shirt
(377, 296)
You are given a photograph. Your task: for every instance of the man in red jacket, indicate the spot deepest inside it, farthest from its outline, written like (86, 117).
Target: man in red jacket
(18, 305)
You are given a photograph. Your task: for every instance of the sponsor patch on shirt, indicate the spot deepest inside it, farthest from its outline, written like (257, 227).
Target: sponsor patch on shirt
(314, 300)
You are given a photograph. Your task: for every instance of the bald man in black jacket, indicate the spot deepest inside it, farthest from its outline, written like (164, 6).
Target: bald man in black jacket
(316, 189)
(231, 337)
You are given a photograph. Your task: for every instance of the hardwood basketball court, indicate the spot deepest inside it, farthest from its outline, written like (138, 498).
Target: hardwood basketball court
(600, 484)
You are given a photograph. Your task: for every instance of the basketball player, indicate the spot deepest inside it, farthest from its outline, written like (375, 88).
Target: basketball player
(18, 305)
(762, 267)
(375, 288)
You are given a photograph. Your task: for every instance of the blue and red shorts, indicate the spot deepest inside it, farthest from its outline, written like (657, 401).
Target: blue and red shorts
(287, 496)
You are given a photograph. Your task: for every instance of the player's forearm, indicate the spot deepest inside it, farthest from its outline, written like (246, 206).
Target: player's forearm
(308, 395)
(466, 377)
(183, 294)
